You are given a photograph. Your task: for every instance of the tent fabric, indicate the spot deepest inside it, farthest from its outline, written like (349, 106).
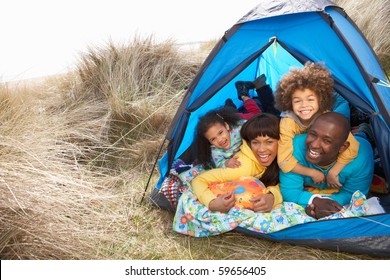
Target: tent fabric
(244, 44)
(280, 7)
(362, 235)
(270, 39)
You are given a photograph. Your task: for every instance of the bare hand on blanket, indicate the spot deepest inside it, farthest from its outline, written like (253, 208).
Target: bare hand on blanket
(322, 207)
(233, 162)
(222, 203)
(263, 202)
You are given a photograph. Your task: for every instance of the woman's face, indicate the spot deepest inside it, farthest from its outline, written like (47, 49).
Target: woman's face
(265, 149)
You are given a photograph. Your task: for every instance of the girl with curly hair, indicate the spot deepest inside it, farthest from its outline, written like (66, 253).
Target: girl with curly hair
(218, 138)
(302, 95)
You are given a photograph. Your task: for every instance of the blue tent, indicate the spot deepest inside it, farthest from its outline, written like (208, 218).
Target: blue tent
(271, 38)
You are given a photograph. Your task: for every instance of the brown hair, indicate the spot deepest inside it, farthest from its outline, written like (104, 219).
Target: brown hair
(313, 76)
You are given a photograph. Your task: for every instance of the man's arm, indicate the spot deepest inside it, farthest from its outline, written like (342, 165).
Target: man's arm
(357, 175)
(292, 188)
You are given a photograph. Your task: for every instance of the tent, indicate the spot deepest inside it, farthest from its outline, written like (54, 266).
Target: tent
(271, 38)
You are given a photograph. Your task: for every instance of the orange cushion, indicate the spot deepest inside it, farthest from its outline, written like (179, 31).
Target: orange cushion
(243, 188)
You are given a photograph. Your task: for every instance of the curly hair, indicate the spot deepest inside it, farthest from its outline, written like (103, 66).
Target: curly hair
(313, 76)
(202, 144)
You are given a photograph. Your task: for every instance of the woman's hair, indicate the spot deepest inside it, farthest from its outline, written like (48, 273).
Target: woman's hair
(203, 146)
(313, 76)
(263, 125)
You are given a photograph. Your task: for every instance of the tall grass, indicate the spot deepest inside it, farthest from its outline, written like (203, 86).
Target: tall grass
(76, 151)
(142, 85)
(373, 18)
(47, 196)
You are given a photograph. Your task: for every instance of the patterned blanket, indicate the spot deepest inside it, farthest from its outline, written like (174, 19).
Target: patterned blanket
(194, 219)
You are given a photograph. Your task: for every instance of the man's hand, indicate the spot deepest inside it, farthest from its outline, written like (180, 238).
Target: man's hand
(322, 207)
(263, 202)
(222, 203)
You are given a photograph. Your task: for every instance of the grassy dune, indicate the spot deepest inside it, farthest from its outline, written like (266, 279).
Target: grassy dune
(372, 17)
(76, 151)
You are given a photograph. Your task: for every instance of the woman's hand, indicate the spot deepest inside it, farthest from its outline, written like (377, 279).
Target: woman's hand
(222, 203)
(263, 202)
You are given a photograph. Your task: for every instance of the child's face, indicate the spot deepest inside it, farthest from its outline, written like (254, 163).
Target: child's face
(305, 104)
(218, 135)
(265, 149)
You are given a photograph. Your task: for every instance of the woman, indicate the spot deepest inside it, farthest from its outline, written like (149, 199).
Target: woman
(257, 156)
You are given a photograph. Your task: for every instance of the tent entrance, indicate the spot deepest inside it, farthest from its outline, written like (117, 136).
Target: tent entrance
(273, 60)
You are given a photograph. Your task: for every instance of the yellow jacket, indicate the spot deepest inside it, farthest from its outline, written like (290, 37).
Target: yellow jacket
(249, 167)
(288, 129)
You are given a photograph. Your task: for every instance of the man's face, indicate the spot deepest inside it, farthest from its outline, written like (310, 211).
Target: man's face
(323, 143)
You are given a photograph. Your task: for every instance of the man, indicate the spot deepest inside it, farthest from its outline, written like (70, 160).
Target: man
(319, 148)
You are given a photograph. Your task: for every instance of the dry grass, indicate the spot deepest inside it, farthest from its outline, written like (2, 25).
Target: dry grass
(46, 193)
(74, 158)
(141, 84)
(76, 151)
(373, 18)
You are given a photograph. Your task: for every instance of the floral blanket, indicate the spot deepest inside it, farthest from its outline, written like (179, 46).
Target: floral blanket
(194, 219)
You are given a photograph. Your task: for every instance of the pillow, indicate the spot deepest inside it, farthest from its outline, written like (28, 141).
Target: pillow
(187, 176)
(243, 188)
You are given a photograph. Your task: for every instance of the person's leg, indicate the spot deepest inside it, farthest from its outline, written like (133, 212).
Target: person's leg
(265, 100)
(260, 81)
(265, 95)
(229, 103)
(243, 88)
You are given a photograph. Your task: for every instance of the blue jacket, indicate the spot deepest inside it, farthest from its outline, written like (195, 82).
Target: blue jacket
(357, 175)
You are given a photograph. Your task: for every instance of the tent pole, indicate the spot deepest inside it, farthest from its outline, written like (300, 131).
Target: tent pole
(151, 173)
